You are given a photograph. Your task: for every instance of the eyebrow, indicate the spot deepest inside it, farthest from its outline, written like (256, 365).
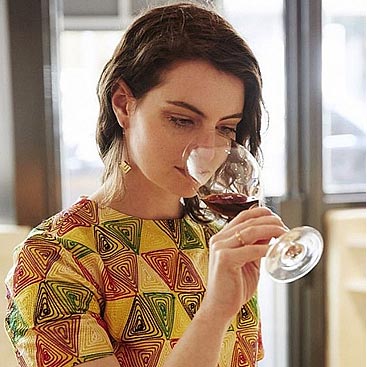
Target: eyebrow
(192, 108)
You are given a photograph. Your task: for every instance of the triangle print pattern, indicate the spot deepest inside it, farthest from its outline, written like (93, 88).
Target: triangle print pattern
(190, 238)
(56, 299)
(49, 357)
(120, 278)
(191, 302)
(176, 269)
(127, 231)
(78, 249)
(140, 354)
(245, 350)
(107, 244)
(187, 278)
(141, 323)
(81, 214)
(91, 281)
(172, 228)
(62, 334)
(34, 262)
(181, 233)
(162, 306)
(164, 262)
(246, 318)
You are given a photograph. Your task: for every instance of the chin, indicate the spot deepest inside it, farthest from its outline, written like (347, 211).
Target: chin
(188, 196)
(186, 193)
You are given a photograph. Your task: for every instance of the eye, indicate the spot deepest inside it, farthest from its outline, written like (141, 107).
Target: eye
(180, 121)
(229, 131)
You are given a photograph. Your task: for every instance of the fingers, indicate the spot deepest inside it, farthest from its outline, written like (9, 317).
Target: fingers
(240, 256)
(258, 222)
(265, 232)
(245, 215)
(248, 236)
(247, 228)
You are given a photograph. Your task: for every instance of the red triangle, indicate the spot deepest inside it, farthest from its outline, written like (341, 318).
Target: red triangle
(164, 263)
(187, 278)
(143, 353)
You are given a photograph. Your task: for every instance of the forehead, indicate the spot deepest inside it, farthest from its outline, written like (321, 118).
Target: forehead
(199, 81)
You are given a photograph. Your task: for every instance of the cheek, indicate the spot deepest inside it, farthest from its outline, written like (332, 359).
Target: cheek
(153, 146)
(152, 155)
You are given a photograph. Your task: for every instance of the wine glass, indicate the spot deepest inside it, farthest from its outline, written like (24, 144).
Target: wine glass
(227, 178)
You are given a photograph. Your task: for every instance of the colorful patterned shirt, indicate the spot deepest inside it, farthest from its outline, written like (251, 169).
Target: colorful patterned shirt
(91, 282)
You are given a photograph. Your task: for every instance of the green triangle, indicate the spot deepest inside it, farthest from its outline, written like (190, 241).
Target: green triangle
(15, 324)
(128, 230)
(78, 249)
(189, 238)
(163, 307)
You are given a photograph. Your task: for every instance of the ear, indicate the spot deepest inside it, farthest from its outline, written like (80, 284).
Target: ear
(123, 103)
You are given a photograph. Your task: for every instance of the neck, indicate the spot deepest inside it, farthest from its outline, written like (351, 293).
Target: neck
(147, 207)
(142, 203)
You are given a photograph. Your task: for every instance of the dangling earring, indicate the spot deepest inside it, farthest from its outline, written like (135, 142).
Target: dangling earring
(125, 165)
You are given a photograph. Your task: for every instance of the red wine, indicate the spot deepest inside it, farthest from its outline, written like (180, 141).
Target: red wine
(229, 205)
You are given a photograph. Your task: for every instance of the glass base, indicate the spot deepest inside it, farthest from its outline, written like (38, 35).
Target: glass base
(294, 254)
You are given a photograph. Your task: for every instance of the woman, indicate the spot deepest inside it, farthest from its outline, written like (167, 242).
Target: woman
(133, 275)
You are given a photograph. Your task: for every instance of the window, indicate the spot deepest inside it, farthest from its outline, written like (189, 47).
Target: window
(83, 55)
(267, 44)
(344, 96)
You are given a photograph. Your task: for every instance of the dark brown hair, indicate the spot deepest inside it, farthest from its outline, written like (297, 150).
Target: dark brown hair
(153, 42)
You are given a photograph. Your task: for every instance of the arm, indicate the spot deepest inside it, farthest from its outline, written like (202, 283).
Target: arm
(201, 343)
(233, 279)
(54, 309)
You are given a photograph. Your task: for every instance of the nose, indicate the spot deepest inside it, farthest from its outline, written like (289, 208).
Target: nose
(208, 151)
(206, 142)
(211, 142)
(206, 138)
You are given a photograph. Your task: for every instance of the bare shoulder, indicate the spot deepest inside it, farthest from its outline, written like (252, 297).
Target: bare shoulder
(110, 361)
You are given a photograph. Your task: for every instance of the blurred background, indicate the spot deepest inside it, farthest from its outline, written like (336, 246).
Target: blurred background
(313, 59)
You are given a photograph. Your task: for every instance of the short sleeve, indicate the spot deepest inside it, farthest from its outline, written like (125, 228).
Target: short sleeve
(54, 307)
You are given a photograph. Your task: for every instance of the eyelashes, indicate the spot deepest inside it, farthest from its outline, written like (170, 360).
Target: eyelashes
(227, 130)
(182, 122)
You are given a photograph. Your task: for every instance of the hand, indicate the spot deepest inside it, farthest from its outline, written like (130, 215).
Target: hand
(234, 260)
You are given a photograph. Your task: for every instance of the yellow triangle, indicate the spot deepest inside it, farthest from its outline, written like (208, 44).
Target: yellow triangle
(181, 322)
(94, 264)
(199, 258)
(166, 350)
(149, 280)
(116, 315)
(225, 357)
(26, 302)
(92, 338)
(107, 214)
(84, 236)
(153, 238)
